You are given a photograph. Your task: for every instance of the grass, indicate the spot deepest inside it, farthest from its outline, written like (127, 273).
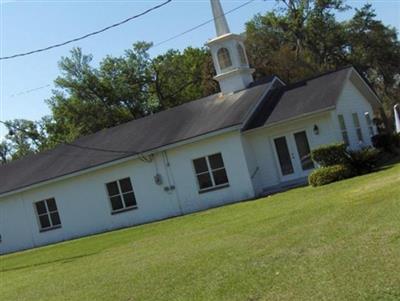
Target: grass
(337, 242)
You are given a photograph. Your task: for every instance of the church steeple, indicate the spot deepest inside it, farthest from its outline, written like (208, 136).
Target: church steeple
(221, 25)
(229, 55)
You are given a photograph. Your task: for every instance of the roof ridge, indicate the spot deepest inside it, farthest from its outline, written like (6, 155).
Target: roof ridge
(303, 81)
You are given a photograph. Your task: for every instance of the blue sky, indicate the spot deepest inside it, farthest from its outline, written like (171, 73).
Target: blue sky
(27, 25)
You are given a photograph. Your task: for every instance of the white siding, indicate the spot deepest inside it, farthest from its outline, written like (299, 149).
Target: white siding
(83, 203)
(240, 186)
(352, 101)
(261, 142)
(84, 207)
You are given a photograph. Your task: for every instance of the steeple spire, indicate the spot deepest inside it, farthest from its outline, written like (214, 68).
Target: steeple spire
(221, 25)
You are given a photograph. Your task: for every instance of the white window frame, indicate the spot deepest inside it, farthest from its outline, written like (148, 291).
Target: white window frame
(48, 213)
(343, 129)
(369, 123)
(357, 127)
(210, 172)
(121, 195)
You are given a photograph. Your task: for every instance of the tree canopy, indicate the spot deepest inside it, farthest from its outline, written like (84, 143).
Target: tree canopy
(299, 39)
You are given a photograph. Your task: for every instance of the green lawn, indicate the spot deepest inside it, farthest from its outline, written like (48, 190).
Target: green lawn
(337, 242)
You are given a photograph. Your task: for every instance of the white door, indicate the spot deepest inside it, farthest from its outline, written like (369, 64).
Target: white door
(293, 155)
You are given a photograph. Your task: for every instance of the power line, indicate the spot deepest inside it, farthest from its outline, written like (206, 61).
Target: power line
(159, 43)
(29, 91)
(201, 25)
(86, 35)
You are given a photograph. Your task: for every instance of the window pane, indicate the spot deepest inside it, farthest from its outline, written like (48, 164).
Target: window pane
(356, 121)
(204, 181)
(129, 199)
(200, 165)
(369, 123)
(41, 207)
(112, 188)
(359, 134)
(224, 58)
(55, 218)
(126, 185)
(51, 205)
(116, 202)
(44, 221)
(303, 149)
(342, 123)
(220, 177)
(216, 161)
(283, 155)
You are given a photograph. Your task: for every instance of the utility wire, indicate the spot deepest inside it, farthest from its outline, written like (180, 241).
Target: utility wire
(29, 91)
(201, 25)
(114, 25)
(86, 35)
(161, 42)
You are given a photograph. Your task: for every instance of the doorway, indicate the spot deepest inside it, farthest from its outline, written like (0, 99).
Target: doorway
(293, 155)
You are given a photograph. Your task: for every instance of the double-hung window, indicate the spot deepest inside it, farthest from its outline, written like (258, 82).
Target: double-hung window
(47, 214)
(357, 127)
(343, 129)
(210, 172)
(369, 123)
(121, 195)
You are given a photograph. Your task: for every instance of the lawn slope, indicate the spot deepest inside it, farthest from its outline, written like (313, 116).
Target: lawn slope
(337, 242)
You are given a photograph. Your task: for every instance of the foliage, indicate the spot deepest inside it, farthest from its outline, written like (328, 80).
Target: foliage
(299, 39)
(344, 162)
(387, 141)
(328, 155)
(325, 175)
(304, 38)
(24, 137)
(362, 161)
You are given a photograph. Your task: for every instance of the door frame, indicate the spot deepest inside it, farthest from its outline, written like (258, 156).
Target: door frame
(298, 171)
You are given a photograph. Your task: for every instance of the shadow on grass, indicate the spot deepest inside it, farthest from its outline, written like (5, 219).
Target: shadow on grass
(60, 260)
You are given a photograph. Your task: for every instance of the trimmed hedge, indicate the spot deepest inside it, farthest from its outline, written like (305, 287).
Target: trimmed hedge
(338, 163)
(331, 154)
(329, 174)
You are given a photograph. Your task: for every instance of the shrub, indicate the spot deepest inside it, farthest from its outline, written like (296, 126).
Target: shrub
(329, 155)
(386, 141)
(362, 161)
(329, 174)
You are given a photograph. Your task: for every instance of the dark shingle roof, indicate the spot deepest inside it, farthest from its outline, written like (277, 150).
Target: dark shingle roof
(183, 122)
(305, 97)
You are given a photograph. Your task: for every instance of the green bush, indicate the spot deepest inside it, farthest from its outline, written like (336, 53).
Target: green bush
(329, 155)
(362, 161)
(329, 174)
(386, 141)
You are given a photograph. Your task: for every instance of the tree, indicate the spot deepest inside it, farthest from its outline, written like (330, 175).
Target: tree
(375, 50)
(304, 38)
(24, 137)
(181, 77)
(298, 40)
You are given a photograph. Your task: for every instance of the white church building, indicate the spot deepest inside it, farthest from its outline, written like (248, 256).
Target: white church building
(251, 139)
